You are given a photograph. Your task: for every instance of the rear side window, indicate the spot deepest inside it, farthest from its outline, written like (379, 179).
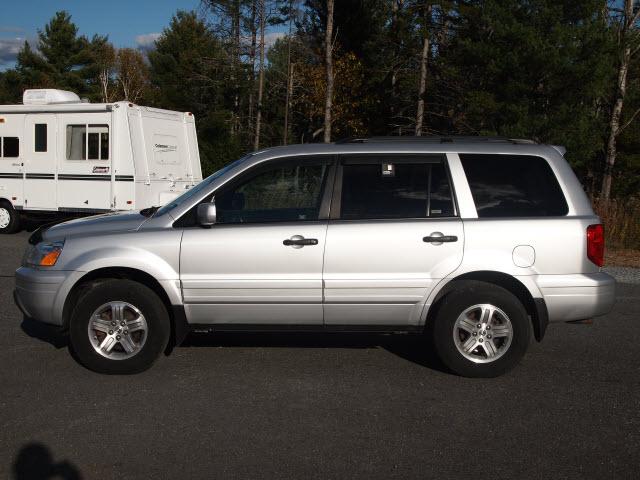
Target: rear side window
(395, 190)
(513, 186)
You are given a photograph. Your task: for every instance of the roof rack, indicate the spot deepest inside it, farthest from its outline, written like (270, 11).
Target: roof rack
(436, 139)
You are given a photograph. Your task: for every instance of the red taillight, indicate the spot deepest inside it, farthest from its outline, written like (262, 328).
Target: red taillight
(595, 244)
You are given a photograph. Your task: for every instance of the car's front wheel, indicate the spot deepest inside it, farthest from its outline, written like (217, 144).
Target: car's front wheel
(119, 327)
(481, 330)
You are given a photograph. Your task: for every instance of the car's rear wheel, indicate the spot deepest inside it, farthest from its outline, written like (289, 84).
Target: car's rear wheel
(9, 218)
(481, 330)
(119, 327)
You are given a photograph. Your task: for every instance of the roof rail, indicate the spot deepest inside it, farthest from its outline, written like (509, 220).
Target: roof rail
(435, 139)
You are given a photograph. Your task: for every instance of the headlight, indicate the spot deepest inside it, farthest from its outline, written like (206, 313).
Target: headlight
(43, 254)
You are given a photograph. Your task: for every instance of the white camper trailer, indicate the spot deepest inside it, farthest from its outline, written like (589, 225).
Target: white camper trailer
(60, 154)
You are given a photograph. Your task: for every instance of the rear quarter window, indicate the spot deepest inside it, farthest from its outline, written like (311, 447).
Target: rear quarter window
(513, 186)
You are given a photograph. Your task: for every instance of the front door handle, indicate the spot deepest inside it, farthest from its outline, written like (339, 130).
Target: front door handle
(438, 238)
(298, 241)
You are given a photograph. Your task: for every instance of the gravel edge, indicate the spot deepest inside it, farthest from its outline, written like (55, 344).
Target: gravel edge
(624, 274)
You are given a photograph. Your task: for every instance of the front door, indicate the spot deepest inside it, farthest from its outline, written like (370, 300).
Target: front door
(384, 249)
(40, 149)
(261, 263)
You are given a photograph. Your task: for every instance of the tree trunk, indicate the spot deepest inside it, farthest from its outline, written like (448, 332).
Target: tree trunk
(285, 133)
(104, 83)
(235, 123)
(621, 90)
(256, 141)
(424, 59)
(252, 55)
(329, 65)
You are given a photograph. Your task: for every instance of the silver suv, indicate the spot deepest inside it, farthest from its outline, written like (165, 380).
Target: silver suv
(477, 242)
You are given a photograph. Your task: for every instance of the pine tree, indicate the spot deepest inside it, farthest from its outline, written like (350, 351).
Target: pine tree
(62, 60)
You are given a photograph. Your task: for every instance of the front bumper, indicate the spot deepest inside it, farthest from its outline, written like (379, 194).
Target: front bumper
(577, 297)
(37, 293)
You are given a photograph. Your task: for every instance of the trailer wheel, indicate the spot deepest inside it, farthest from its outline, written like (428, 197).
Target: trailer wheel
(9, 218)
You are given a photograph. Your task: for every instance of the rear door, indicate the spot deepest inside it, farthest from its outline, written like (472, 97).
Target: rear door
(40, 162)
(384, 253)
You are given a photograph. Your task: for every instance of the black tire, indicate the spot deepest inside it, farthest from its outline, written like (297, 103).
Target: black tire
(469, 293)
(136, 294)
(14, 218)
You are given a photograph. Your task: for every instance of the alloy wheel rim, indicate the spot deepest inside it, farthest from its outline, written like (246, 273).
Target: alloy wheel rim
(483, 333)
(5, 217)
(117, 330)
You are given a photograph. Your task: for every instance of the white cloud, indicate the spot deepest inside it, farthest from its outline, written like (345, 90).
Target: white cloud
(11, 29)
(9, 48)
(147, 41)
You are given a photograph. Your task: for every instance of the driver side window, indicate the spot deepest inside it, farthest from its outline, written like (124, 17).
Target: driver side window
(282, 193)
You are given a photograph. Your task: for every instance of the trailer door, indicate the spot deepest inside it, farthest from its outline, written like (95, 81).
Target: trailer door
(40, 162)
(84, 173)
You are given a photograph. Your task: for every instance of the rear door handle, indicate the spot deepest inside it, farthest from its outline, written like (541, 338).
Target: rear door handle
(438, 238)
(298, 241)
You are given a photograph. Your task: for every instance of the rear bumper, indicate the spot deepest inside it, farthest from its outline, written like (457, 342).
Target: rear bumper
(577, 297)
(36, 293)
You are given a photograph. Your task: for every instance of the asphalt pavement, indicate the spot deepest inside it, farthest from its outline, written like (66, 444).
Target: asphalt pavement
(320, 406)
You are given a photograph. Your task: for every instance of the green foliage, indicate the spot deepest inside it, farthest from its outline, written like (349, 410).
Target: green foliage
(537, 69)
(541, 69)
(63, 59)
(187, 72)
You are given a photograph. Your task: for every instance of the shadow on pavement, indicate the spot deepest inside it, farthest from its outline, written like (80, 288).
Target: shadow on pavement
(42, 331)
(414, 348)
(35, 462)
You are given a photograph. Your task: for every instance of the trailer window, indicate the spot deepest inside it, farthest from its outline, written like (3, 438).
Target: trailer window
(40, 137)
(10, 147)
(87, 142)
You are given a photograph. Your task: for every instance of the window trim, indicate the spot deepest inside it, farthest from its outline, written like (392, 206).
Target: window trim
(375, 158)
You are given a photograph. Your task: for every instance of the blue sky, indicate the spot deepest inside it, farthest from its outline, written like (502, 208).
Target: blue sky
(133, 23)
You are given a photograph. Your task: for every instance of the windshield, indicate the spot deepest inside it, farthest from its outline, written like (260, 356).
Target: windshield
(194, 191)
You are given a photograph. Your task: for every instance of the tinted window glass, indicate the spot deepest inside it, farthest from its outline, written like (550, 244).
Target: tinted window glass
(513, 186)
(40, 137)
(280, 194)
(94, 146)
(400, 190)
(104, 145)
(440, 197)
(367, 192)
(10, 147)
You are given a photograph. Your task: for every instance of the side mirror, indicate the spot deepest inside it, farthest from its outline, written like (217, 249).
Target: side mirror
(207, 214)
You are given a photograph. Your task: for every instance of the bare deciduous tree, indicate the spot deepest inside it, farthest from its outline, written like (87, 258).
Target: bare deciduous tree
(629, 44)
(262, 14)
(329, 70)
(132, 74)
(424, 63)
(106, 62)
(287, 102)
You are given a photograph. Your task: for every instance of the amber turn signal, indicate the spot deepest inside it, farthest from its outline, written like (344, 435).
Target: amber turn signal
(50, 258)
